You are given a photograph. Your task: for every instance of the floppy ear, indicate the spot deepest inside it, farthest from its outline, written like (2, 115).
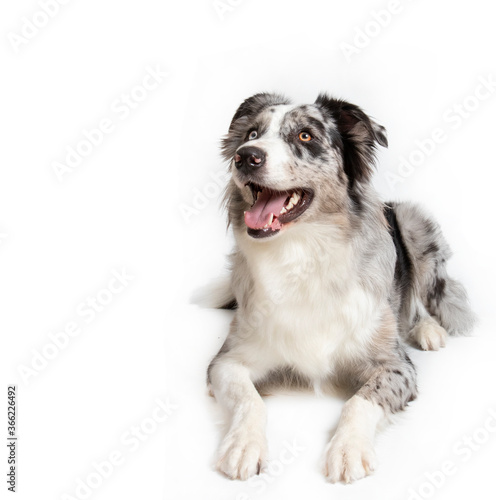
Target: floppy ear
(256, 103)
(248, 109)
(360, 136)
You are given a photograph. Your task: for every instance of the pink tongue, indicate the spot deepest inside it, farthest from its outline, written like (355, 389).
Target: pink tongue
(269, 202)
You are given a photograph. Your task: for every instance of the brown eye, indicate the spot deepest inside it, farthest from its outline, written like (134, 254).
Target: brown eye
(305, 136)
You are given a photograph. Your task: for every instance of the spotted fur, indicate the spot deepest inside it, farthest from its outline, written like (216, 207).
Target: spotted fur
(336, 295)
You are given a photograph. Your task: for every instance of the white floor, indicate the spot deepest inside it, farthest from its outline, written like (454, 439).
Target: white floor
(456, 402)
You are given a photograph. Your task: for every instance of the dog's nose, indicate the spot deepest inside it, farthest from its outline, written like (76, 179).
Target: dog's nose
(249, 158)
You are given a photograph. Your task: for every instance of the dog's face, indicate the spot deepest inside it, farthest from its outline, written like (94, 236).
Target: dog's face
(292, 164)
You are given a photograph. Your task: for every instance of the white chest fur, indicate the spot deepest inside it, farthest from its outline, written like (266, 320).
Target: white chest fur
(306, 308)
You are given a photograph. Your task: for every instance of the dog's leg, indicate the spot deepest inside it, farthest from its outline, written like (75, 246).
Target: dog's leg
(243, 450)
(350, 453)
(424, 330)
(427, 333)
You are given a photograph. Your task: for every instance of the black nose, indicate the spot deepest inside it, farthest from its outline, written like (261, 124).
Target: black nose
(249, 158)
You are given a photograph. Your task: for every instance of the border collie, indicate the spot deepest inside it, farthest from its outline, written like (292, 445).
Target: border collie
(328, 283)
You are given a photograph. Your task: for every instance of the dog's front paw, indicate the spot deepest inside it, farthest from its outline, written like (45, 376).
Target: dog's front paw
(349, 458)
(429, 335)
(242, 453)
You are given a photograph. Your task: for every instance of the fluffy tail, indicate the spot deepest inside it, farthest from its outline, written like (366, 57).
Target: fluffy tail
(217, 295)
(432, 289)
(449, 303)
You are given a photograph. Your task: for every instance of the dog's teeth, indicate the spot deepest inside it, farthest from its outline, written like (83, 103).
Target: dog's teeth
(295, 198)
(283, 210)
(270, 220)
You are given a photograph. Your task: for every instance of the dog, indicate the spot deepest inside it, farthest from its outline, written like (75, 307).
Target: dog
(328, 283)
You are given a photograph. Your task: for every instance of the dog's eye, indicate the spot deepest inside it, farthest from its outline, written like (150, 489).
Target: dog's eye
(305, 136)
(252, 135)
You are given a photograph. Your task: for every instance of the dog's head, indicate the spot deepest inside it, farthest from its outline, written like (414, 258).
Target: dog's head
(295, 163)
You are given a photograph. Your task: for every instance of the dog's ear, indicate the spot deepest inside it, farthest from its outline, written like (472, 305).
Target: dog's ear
(248, 109)
(359, 133)
(255, 104)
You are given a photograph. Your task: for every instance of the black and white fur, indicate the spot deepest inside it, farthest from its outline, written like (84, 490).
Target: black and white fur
(333, 295)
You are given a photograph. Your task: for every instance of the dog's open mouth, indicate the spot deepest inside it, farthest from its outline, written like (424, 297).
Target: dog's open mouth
(272, 209)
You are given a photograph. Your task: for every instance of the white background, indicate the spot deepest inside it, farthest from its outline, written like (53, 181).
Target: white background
(123, 207)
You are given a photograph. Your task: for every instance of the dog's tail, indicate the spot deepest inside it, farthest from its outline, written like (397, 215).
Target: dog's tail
(216, 295)
(432, 289)
(450, 305)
